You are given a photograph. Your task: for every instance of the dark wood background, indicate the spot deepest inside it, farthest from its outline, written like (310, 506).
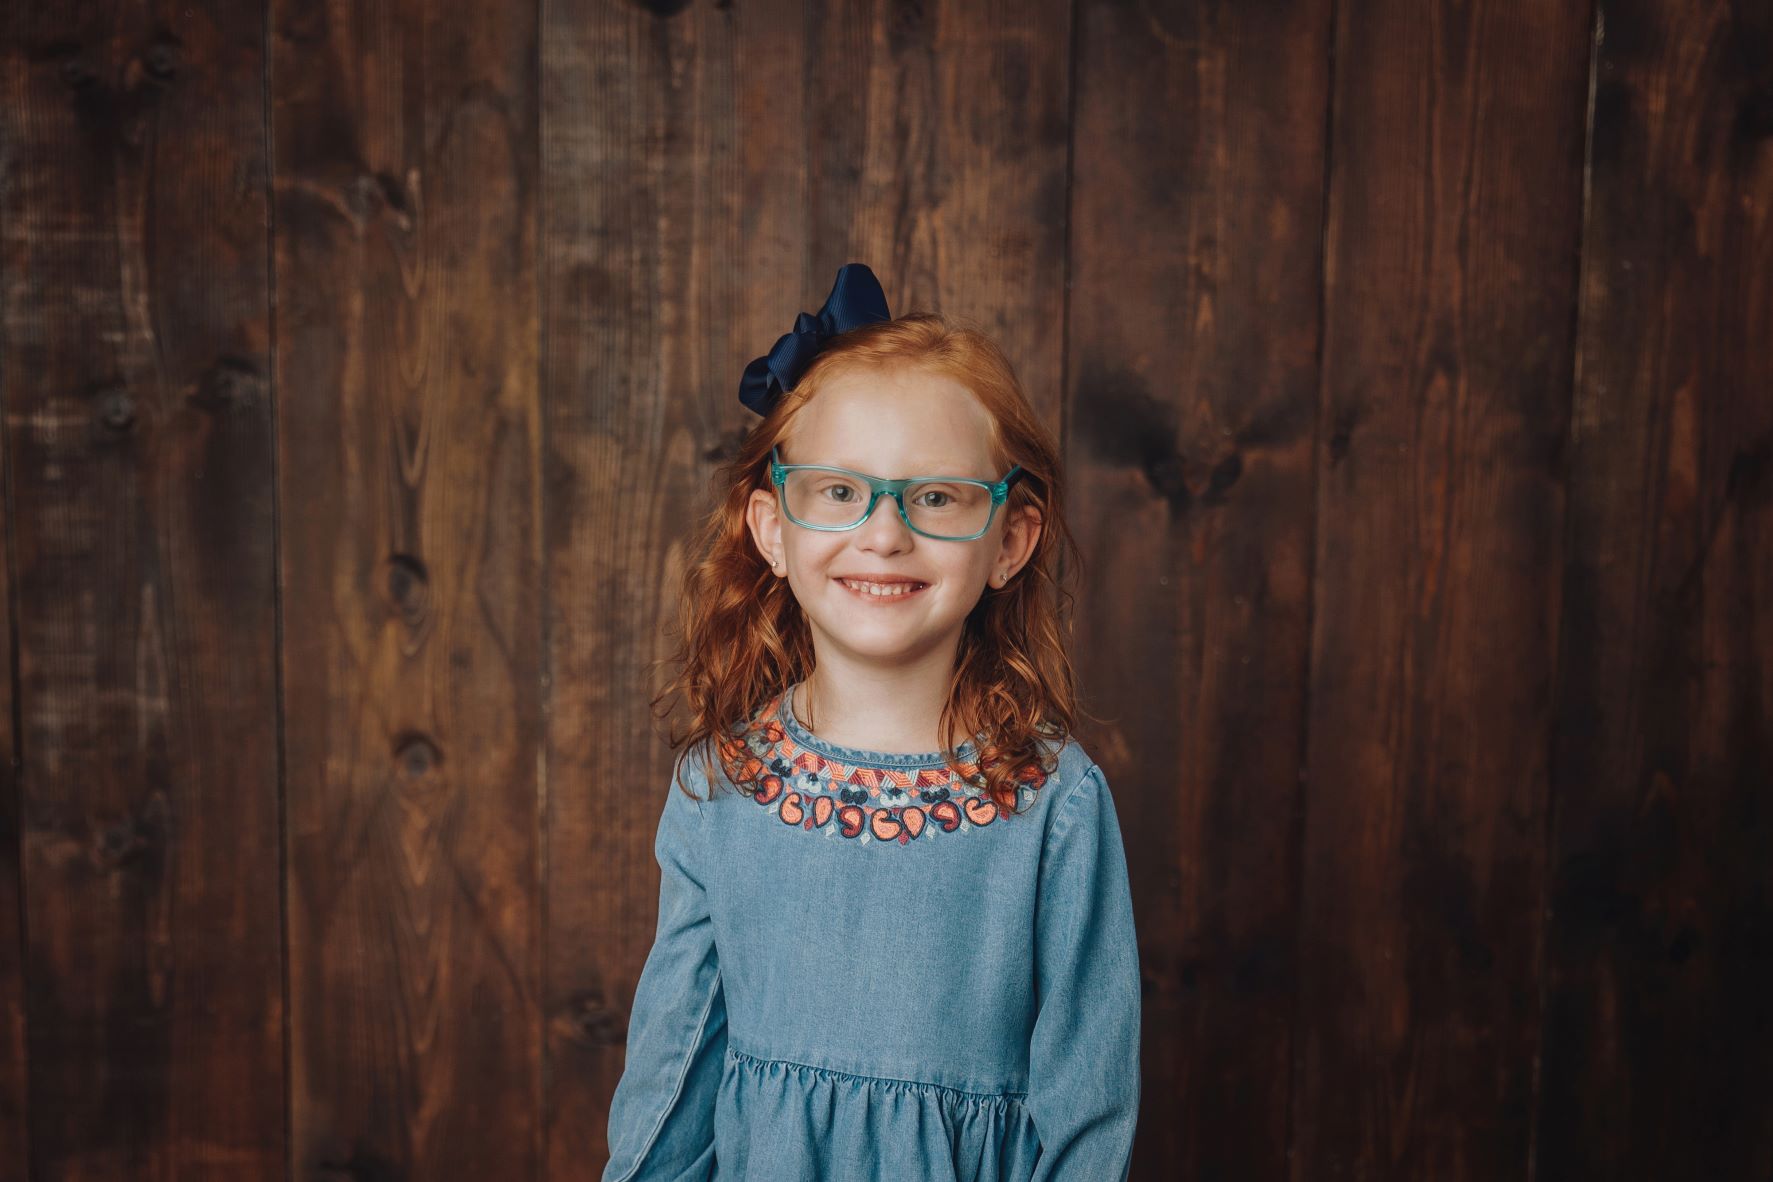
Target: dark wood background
(363, 365)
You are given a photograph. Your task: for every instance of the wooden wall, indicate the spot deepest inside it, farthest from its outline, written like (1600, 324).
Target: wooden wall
(363, 365)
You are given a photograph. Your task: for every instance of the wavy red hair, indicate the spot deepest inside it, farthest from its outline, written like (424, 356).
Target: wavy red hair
(743, 638)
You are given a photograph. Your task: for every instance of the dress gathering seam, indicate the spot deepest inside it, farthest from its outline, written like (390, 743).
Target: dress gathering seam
(971, 1097)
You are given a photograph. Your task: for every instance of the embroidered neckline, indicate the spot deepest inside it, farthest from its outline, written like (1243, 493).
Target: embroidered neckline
(870, 795)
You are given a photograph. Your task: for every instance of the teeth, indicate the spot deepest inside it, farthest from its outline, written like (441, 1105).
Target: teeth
(880, 588)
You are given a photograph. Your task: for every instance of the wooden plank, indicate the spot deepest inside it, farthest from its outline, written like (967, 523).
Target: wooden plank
(937, 142)
(15, 1130)
(1657, 1039)
(409, 432)
(708, 169)
(642, 281)
(1454, 205)
(138, 449)
(1197, 223)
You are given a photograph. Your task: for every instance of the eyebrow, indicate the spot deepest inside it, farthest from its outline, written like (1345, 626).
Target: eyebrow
(944, 468)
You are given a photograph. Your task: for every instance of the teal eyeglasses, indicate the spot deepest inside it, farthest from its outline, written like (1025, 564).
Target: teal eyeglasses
(947, 508)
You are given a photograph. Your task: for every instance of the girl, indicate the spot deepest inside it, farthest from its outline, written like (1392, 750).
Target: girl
(882, 954)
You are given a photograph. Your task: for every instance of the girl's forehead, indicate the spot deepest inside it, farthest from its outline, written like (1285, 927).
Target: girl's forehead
(918, 429)
(893, 453)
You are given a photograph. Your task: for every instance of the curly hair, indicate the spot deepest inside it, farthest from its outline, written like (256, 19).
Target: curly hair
(743, 638)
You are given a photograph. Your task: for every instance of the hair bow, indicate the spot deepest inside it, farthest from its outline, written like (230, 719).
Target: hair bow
(856, 299)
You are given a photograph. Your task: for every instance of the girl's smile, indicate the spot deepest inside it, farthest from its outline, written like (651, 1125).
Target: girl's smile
(884, 588)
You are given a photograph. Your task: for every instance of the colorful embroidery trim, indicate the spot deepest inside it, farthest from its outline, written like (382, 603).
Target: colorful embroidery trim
(813, 792)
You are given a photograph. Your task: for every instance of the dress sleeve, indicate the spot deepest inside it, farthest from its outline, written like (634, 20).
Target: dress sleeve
(1083, 1062)
(661, 1116)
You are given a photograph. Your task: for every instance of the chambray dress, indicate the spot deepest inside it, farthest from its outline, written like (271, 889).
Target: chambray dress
(865, 972)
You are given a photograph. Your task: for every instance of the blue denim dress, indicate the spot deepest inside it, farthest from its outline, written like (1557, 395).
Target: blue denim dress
(865, 971)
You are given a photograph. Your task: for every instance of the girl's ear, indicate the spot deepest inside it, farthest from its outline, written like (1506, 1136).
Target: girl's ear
(1020, 535)
(765, 523)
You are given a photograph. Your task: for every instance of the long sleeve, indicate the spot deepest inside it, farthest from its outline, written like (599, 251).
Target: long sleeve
(661, 1116)
(1083, 1064)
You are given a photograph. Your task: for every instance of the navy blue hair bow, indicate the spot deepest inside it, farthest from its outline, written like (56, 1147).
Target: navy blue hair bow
(856, 299)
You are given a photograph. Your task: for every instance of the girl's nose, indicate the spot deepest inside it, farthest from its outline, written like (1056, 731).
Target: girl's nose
(884, 526)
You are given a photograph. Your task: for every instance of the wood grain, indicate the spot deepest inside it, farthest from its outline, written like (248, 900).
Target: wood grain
(1449, 277)
(15, 1080)
(1197, 196)
(641, 286)
(409, 439)
(138, 454)
(1661, 898)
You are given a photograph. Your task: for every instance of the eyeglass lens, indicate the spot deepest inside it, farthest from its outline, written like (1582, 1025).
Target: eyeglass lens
(943, 508)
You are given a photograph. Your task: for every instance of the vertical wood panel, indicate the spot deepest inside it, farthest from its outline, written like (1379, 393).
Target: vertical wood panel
(409, 445)
(646, 288)
(138, 458)
(15, 1131)
(1197, 206)
(936, 152)
(1661, 953)
(1452, 232)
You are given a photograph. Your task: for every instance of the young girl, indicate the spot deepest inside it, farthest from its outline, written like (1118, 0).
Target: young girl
(882, 954)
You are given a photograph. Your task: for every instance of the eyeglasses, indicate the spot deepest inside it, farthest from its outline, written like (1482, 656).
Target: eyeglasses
(947, 508)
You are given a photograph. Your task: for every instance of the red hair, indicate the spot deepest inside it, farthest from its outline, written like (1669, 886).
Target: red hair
(743, 638)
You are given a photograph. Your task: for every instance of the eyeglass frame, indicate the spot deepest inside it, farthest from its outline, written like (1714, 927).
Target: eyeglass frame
(879, 486)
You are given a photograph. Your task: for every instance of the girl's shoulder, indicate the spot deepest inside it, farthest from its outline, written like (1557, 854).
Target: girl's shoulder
(1076, 770)
(690, 767)
(1068, 757)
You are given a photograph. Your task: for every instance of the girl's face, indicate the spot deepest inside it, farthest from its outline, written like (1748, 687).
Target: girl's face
(904, 422)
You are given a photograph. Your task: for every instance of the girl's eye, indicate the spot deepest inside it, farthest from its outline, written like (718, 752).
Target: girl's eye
(840, 493)
(943, 497)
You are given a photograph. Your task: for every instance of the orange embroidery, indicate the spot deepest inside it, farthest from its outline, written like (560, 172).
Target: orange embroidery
(812, 792)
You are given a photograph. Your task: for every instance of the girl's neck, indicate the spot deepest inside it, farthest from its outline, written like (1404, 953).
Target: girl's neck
(898, 715)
